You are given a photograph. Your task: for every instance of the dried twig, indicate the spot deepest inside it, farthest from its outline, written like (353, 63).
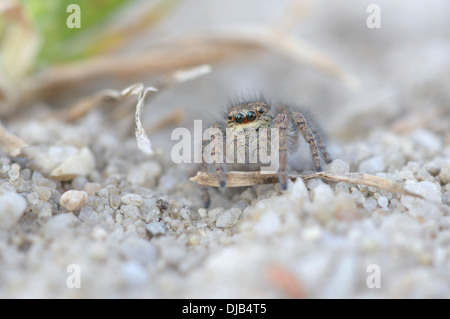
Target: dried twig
(239, 179)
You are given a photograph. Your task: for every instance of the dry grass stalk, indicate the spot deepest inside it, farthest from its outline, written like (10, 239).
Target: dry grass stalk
(239, 179)
(186, 51)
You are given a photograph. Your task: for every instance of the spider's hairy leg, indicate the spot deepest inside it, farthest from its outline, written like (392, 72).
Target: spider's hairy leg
(219, 166)
(323, 150)
(205, 193)
(281, 122)
(319, 137)
(310, 138)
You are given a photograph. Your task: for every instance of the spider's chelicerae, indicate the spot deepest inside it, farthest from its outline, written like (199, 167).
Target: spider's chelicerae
(246, 118)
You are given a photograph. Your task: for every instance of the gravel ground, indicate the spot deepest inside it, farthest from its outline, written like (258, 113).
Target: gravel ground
(126, 225)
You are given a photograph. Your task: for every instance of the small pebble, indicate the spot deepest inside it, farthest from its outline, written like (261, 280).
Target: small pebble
(383, 202)
(44, 193)
(370, 204)
(91, 188)
(12, 207)
(156, 228)
(372, 165)
(228, 218)
(444, 175)
(73, 200)
(132, 199)
(80, 164)
(338, 167)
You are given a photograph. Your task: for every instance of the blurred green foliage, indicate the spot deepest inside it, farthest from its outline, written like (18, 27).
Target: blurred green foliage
(60, 43)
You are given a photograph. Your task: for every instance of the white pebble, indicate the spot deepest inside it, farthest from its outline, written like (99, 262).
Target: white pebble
(44, 193)
(383, 202)
(132, 199)
(427, 190)
(80, 164)
(85, 213)
(444, 175)
(73, 200)
(156, 228)
(228, 218)
(338, 167)
(12, 207)
(91, 188)
(14, 172)
(33, 198)
(429, 141)
(269, 224)
(372, 165)
(370, 204)
(357, 196)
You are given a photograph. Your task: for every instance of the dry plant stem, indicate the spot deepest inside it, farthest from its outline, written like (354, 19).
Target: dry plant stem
(9, 143)
(240, 179)
(189, 50)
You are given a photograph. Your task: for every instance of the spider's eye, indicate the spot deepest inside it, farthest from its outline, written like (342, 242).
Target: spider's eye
(251, 116)
(239, 118)
(230, 117)
(261, 110)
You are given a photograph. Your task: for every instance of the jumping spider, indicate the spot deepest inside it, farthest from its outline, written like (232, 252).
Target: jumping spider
(243, 118)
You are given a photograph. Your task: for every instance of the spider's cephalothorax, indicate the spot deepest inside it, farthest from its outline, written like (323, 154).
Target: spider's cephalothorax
(244, 119)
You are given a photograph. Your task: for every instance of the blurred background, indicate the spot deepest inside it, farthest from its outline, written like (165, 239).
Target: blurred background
(319, 54)
(381, 94)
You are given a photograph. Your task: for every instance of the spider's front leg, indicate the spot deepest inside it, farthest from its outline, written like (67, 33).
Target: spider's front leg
(315, 144)
(281, 122)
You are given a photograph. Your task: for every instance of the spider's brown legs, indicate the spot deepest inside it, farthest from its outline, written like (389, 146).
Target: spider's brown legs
(217, 153)
(326, 156)
(309, 137)
(205, 196)
(281, 122)
(205, 193)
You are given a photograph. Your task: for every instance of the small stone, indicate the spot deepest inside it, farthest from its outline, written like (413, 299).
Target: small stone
(98, 233)
(156, 228)
(417, 206)
(44, 193)
(429, 141)
(73, 200)
(91, 188)
(33, 198)
(370, 204)
(132, 199)
(14, 172)
(194, 240)
(228, 218)
(85, 213)
(358, 197)
(444, 175)
(80, 164)
(130, 211)
(338, 167)
(114, 201)
(213, 214)
(383, 202)
(12, 207)
(312, 233)
(269, 224)
(372, 165)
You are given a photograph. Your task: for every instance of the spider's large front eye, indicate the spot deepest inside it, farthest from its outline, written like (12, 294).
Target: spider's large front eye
(251, 116)
(239, 118)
